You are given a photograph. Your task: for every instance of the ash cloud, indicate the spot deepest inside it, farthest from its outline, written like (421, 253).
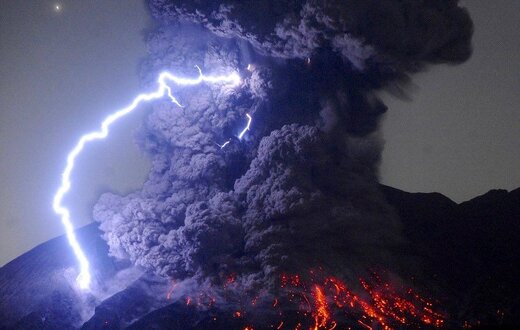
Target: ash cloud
(300, 190)
(393, 34)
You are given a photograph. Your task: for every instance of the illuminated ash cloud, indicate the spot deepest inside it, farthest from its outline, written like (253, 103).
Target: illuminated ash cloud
(300, 189)
(382, 33)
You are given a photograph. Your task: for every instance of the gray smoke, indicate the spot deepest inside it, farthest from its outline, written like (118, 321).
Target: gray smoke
(300, 190)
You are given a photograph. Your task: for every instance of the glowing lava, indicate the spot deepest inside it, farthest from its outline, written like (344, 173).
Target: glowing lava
(329, 302)
(316, 301)
(164, 89)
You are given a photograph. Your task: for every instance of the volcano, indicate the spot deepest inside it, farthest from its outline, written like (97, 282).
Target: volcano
(466, 255)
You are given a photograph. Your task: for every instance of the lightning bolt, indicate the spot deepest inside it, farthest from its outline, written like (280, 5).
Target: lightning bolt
(249, 120)
(241, 134)
(164, 89)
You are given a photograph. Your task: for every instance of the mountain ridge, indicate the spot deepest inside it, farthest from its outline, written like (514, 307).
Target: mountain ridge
(471, 249)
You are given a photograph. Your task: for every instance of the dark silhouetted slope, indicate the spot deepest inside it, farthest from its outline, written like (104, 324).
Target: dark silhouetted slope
(469, 251)
(36, 289)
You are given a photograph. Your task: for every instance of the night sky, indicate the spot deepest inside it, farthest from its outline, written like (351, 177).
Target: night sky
(64, 65)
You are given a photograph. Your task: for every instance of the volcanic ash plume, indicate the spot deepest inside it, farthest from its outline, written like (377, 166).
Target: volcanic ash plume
(299, 190)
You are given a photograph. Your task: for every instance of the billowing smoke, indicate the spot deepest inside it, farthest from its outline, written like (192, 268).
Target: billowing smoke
(300, 189)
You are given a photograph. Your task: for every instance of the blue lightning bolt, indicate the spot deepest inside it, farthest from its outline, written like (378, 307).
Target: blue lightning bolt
(223, 145)
(249, 120)
(84, 277)
(241, 134)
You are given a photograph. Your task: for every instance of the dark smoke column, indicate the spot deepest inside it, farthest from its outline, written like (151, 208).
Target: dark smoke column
(300, 190)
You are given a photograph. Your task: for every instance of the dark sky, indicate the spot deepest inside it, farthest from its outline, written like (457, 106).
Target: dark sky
(460, 133)
(61, 73)
(62, 69)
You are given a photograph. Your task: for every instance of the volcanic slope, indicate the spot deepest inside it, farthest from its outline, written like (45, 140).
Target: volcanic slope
(469, 251)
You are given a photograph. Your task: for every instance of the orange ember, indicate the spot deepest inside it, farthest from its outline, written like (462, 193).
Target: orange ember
(316, 301)
(382, 306)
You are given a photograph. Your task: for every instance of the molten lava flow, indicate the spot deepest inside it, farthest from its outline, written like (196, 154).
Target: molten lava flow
(330, 302)
(322, 314)
(317, 301)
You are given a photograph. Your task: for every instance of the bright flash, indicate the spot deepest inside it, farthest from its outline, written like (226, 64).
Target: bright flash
(164, 89)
